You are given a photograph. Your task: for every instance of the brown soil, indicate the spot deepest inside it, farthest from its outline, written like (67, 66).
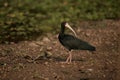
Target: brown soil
(42, 59)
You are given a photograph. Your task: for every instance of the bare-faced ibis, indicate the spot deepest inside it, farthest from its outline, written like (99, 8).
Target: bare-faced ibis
(72, 42)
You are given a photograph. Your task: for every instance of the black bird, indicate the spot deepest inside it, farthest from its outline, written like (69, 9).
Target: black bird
(72, 42)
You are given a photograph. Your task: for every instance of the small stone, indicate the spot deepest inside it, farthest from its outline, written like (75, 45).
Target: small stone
(6, 4)
(45, 39)
(33, 44)
(63, 66)
(46, 63)
(49, 54)
(39, 43)
(54, 42)
(46, 78)
(90, 70)
(87, 34)
(49, 48)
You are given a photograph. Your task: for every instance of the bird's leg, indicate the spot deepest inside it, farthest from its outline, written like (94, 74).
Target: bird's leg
(67, 59)
(70, 57)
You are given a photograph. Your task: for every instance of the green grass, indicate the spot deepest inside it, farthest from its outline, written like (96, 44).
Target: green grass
(21, 20)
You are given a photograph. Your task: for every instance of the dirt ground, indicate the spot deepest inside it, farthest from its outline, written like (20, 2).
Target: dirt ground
(42, 59)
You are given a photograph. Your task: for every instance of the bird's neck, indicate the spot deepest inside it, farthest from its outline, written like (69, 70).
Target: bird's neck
(62, 30)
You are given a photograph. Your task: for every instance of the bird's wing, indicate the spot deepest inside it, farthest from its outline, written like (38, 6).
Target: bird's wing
(72, 42)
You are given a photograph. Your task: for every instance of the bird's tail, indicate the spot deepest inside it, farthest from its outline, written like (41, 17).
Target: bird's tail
(92, 48)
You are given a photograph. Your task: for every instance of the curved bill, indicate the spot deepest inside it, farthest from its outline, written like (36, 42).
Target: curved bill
(68, 26)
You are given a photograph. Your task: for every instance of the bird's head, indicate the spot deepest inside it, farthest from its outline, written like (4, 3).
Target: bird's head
(65, 24)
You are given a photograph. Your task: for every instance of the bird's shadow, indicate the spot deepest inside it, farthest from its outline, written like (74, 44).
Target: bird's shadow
(57, 58)
(52, 58)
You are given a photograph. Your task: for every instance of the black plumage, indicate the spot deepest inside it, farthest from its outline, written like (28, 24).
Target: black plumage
(72, 42)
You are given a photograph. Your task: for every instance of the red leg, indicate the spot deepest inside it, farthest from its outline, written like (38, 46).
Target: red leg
(70, 57)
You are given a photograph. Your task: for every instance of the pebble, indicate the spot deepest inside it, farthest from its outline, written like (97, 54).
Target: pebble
(49, 48)
(90, 70)
(46, 78)
(45, 39)
(33, 45)
(63, 66)
(49, 54)
(87, 34)
(39, 43)
(46, 63)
